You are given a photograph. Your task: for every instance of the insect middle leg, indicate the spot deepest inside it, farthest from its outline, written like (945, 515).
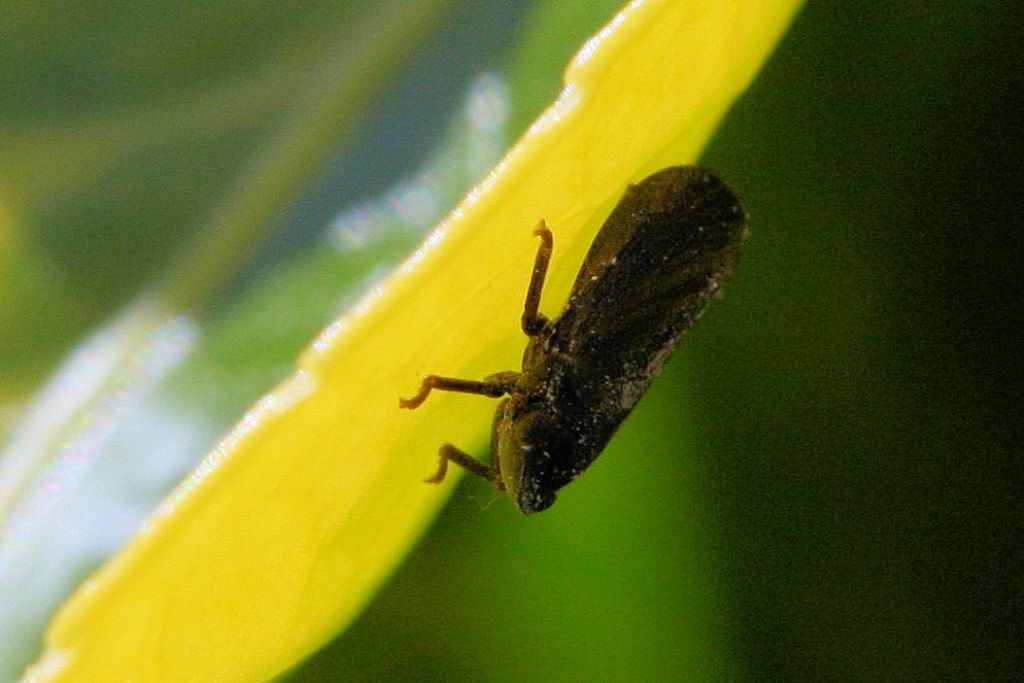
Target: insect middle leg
(494, 386)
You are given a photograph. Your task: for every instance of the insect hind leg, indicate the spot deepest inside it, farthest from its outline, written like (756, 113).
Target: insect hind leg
(533, 321)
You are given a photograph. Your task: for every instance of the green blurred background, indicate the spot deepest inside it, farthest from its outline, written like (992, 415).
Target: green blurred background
(825, 483)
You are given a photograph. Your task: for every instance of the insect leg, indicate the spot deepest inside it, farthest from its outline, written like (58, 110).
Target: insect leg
(463, 460)
(494, 386)
(532, 321)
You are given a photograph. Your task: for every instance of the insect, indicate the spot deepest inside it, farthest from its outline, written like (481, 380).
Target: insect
(657, 261)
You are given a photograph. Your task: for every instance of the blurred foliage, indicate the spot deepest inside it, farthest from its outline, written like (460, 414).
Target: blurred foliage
(191, 248)
(847, 503)
(201, 124)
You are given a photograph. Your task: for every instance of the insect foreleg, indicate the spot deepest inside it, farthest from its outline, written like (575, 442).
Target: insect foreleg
(463, 460)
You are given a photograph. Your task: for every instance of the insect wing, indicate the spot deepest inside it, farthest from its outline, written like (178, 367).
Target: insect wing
(652, 270)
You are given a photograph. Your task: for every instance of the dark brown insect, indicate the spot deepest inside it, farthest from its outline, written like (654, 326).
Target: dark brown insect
(667, 247)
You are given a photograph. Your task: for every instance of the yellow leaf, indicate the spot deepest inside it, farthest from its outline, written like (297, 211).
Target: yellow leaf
(284, 531)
